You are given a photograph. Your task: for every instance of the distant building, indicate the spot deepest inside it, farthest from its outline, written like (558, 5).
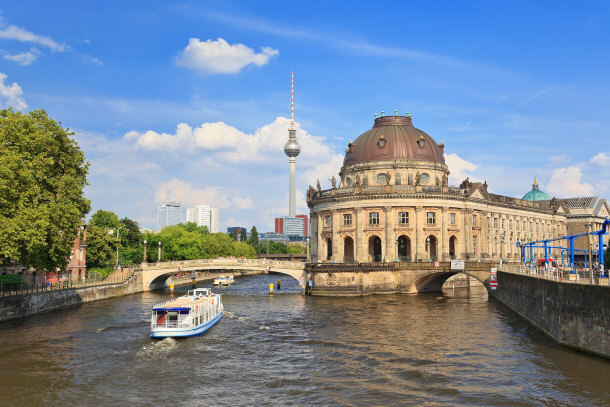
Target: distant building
(292, 225)
(170, 214)
(203, 215)
(237, 229)
(279, 237)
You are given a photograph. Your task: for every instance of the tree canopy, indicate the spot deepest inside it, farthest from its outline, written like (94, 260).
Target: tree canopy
(42, 176)
(105, 219)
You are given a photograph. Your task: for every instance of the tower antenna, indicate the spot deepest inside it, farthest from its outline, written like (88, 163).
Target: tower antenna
(291, 99)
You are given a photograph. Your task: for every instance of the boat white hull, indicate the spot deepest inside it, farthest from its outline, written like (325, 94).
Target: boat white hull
(184, 332)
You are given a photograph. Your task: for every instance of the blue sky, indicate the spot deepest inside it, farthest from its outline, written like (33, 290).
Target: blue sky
(190, 101)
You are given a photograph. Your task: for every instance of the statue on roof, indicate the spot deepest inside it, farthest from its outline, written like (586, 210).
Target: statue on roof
(417, 178)
(466, 184)
(445, 181)
(319, 186)
(333, 181)
(388, 177)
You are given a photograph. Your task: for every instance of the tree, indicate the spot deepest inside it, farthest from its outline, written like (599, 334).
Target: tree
(233, 235)
(243, 235)
(105, 219)
(101, 247)
(130, 233)
(42, 176)
(253, 241)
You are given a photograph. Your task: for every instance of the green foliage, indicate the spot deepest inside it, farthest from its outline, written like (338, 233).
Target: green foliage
(42, 176)
(105, 219)
(233, 235)
(243, 235)
(130, 233)
(253, 241)
(11, 281)
(103, 271)
(101, 247)
(295, 248)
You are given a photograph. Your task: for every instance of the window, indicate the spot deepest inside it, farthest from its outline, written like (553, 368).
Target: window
(431, 218)
(536, 227)
(524, 223)
(474, 220)
(487, 222)
(474, 245)
(403, 218)
(373, 218)
(531, 227)
(452, 218)
(495, 223)
(503, 223)
(510, 223)
(327, 221)
(347, 219)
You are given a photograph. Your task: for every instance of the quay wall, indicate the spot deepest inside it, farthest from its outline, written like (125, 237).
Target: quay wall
(573, 314)
(17, 306)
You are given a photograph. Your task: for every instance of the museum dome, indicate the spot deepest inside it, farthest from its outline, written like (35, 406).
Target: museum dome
(393, 138)
(536, 194)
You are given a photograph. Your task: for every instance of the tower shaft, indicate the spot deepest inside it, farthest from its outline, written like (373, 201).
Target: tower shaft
(292, 206)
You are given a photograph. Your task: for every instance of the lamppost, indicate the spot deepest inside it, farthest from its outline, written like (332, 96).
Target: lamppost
(159, 253)
(117, 245)
(144, 258)
(428, 248)
(501, 247)
(396, 243)
(589, 227)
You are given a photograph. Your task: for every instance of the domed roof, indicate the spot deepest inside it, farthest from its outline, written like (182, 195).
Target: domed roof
(393, 138)
(536, 194)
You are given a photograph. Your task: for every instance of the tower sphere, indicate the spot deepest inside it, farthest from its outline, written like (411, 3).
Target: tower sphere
(292, 148)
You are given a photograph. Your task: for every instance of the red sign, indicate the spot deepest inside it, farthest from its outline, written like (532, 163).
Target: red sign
(302, 281)
(493, 280)
(436, 264)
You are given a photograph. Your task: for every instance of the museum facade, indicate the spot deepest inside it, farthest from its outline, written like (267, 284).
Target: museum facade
(393, 202)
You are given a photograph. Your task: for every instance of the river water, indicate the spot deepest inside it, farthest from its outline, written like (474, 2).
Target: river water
(454, 348)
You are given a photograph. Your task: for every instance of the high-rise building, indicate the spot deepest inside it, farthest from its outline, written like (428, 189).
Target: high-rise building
(289, 225)
(203, 215)
(292, 149)
(170, 213)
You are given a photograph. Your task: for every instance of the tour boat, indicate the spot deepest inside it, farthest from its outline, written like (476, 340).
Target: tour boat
(221, 280)
(190, 315)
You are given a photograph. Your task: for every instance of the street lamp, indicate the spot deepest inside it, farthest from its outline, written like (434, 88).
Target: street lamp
(396, 258)
(159, 253)
(428, 248)
(144, 258)
(117, 245)
(501, 247)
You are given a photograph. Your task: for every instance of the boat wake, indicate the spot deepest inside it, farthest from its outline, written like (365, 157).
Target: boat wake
(117, 327)
(158, 347)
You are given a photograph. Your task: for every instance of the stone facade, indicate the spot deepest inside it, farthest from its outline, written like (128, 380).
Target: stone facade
(394, 202)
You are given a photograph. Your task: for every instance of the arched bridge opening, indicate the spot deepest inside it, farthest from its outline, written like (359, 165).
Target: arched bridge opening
(434, 282)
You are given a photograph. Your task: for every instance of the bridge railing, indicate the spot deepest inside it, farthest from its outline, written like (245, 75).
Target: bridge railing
(223, 262)
(582, 275)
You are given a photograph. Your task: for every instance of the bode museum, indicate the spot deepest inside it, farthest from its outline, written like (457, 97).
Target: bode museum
(393, 203)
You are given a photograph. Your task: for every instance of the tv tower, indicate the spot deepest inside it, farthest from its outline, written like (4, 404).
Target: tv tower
(292, 149)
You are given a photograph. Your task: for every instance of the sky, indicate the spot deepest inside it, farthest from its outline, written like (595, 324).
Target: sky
(189, 101)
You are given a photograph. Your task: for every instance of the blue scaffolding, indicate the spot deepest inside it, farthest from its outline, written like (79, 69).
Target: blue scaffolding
(568, 251)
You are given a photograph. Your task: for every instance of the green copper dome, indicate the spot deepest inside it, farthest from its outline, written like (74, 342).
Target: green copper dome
(536, 194)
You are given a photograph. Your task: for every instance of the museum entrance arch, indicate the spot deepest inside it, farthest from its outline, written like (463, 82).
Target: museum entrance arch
(348, 250)
(375, 249)
(404, 248)
(432, 248)
(452, 247)
(329, 248)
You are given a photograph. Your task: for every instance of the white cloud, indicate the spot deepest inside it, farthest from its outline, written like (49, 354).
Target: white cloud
(11, 95)
(459, 168)
(16, 33)
(215, 196)
(601, 159)
(566, 182)
(23, 59)
(91, 59)
(212, 57)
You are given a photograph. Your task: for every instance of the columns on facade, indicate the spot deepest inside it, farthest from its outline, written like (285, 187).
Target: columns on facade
(359, 252)
(420, 247)
(335, 237)
(465, 234)
(389, 236)
(444, 246)
(316, 236)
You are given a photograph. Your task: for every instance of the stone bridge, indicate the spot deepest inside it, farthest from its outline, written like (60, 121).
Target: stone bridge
(155, 274)
(335, 279)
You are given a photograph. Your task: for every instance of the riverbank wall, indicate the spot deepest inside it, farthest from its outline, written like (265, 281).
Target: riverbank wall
(18, 306)
(573, 314)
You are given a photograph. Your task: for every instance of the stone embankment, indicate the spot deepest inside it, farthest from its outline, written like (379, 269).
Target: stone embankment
(17, 306)
(573, 314)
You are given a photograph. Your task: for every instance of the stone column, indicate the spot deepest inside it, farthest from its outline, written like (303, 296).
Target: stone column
(465, 232)
(389, 240)
(444, 246)
(358, 244)
(317, 247)
(420, 247)
(336, 238)
(484, 240)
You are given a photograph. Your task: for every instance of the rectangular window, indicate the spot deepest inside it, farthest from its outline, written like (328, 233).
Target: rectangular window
(524, 226)
(474, 220)
(347, 219)
(495, 223)
(474, 245)
(503, 223)
(452, 218)
(403, 218)
(327, 221)
(536, 227)
(531, 227)
(373, 218)
(431, 218)
(510, 223)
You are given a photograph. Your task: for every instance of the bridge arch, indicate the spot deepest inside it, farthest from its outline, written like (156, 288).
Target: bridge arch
(434, 281)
